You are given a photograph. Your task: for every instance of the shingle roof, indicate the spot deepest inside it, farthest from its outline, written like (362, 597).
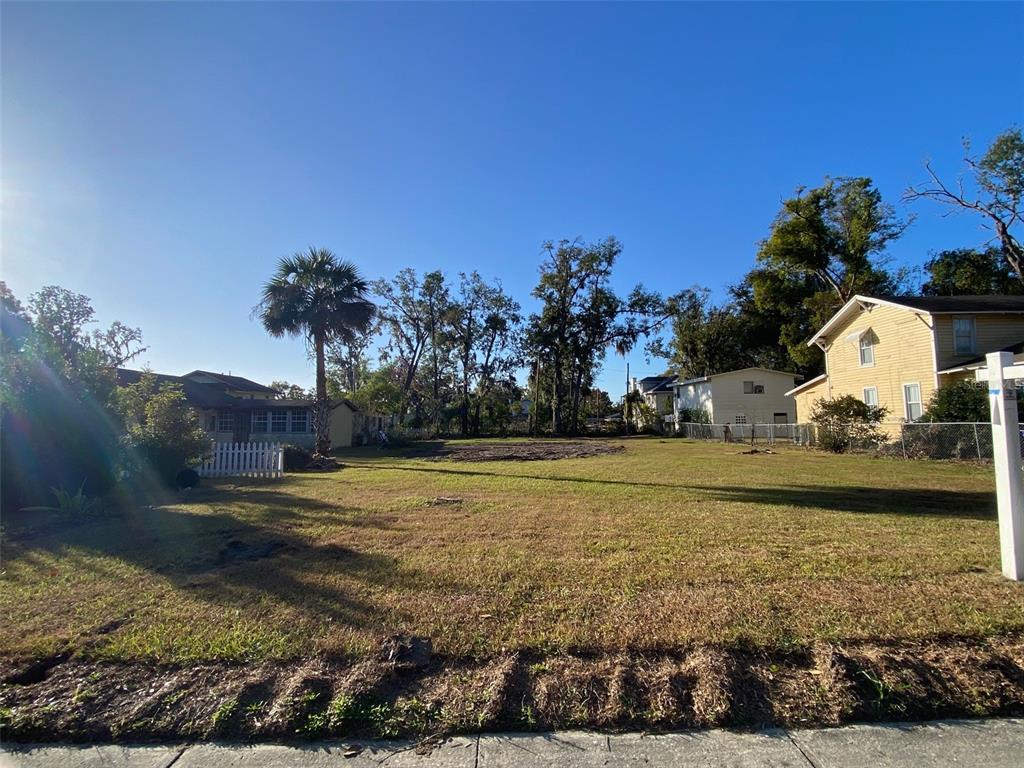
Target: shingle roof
(650, 384)
(202, 395)
(1016, 349)
(234, 382)
(941, 304)
(930, 304)
(197, 394)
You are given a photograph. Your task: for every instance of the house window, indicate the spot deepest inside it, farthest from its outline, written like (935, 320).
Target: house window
(912, 401)
(279, 421)
(741, 419)
(871, 396)
(963, 335)
(300, 421)
(259, 421)
(759, 389)
(748, 387)
(867, 349)
(225, 421)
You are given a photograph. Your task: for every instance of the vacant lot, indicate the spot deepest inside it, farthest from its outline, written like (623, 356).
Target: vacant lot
(669, 552)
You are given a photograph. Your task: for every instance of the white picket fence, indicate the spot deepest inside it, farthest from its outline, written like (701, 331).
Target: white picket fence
(244, 460)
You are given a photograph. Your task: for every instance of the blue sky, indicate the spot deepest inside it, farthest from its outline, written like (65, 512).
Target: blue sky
(161, 158)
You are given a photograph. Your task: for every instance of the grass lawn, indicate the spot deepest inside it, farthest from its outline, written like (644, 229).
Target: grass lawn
(664, 546)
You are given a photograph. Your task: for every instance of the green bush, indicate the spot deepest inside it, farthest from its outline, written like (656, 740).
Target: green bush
(963, 401)
(846, 422)
(296, 457)
(163, 434)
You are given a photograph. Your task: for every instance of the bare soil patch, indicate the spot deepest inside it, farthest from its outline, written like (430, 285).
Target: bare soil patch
(534, 450)
(406, 691)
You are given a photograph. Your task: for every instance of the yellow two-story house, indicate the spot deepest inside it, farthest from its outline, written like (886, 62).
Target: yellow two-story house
(896, 351)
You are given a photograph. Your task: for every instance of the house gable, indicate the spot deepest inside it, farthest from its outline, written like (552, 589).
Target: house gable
(902, 354)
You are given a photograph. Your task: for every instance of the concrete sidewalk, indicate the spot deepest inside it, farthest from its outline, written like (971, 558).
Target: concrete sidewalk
(989, 743)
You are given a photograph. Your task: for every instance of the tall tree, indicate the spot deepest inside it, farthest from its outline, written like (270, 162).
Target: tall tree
(347, 362)
(412, 318)
(320, 297)
(826, 245)
(482, 323)
(581, 318)
(970, 272)
(706, 339)
(995, 191)
(288, 391)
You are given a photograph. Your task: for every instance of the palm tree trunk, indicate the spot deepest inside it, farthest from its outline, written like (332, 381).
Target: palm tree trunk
(322, 411)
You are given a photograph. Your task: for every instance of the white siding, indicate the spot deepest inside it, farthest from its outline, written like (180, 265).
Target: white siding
(693, 397)
(730, 400)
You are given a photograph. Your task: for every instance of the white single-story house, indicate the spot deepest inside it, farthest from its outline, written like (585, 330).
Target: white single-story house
(234, 409)
(746, 396)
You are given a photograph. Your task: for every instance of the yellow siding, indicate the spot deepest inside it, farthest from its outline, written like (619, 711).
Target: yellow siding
(903, 355)
(341, 428)
(992, 333)
(806, 398)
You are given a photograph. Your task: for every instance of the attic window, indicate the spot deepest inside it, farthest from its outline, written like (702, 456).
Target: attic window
(867, 349)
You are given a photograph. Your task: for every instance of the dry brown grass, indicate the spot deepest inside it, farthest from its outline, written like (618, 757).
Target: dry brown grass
(661, 547)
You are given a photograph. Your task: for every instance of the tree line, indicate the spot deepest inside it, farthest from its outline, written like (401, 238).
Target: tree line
(451, 348)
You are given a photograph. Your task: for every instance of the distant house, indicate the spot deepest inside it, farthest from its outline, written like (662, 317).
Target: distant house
(745, 396)
(656, 391)
(234, 409)
(896, 351)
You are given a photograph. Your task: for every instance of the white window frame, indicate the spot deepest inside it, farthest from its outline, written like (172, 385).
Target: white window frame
(875, 398)
(972, 340)
(227, 415)
(869, 347)
(305, 423)
(278, 411)
(260, 421)
(741, 418)
(906, 403)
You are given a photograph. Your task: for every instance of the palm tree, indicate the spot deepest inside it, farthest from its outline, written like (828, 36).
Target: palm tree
(318, 296)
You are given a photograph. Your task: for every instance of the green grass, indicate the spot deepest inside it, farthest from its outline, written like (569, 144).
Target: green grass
(668, 544)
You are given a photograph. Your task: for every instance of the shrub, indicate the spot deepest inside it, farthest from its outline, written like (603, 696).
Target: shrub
(162, 433)
(963, 401)
(296, 457)
(76, 504)
(846, 422)
(187, 478)
(694, 416)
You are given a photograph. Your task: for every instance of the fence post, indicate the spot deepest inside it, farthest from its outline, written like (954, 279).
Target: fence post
(977, 442)
(1002, 397)
(903, 440)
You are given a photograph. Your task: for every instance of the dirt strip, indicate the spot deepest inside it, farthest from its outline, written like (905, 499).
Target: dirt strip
(408, 692)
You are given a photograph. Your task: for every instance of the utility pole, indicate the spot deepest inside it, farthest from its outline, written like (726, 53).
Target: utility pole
(627, 410)
(536, 394)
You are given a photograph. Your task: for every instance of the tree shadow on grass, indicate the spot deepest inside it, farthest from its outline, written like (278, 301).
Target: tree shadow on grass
(912, 502)
(235, 561)
(918, 502)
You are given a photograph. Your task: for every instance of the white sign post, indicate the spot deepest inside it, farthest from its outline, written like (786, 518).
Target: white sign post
(1002, 398)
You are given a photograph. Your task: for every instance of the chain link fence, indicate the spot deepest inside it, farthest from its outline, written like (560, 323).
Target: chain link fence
(914, 440)
(798, 434)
